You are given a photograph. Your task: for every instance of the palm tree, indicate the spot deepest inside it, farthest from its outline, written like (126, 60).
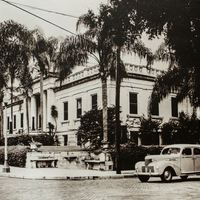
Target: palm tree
(15, 53)
(3, 84)
(176, 78)
(44, 52)
(126, 34)
(25, 87)
(96, 43)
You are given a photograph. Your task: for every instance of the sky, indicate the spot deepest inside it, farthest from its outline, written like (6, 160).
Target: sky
(70, 7)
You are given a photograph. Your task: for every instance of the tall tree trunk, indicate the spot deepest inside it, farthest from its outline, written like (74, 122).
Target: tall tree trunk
(41, 101)
(2, 120)
(55, 127)
(27, 114)
(11, 122)
(117, 113)
(105, 111)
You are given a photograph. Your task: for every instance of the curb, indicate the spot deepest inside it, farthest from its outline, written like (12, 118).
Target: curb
(74, 178)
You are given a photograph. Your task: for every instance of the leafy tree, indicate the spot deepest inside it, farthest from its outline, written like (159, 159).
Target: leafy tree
(170, 132)
(25, 87)
(179, 22)
(45, 53)
(183, 130)
(99, 42)
(91, 129)
(15, 53)
(149, 130)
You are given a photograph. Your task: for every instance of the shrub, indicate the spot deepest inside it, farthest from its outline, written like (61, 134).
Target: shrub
(131, 154)
(16, 156)
(44, 139)
(149, 130)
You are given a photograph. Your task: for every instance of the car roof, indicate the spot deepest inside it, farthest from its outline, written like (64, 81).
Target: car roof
(182, 145)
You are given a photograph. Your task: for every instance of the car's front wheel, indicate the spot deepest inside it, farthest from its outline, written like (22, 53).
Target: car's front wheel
(143, 178)
(167, 175)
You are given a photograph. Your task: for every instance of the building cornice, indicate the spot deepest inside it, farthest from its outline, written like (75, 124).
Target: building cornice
(77, 82)
(15, 103)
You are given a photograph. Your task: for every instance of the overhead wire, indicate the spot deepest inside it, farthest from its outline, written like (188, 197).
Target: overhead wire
(44, 10)
(43, 19)
(37, 16)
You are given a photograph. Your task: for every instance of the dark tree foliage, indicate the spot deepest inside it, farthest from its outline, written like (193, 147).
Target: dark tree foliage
(149, 130)
(91, 129)
(179, 22)
(184, 130)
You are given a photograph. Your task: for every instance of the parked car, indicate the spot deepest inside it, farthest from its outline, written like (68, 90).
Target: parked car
(174, 160)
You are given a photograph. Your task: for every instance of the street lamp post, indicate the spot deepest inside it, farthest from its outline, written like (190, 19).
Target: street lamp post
(6, 168)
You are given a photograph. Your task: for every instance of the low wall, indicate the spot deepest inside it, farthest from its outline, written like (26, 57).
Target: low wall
(69, 160)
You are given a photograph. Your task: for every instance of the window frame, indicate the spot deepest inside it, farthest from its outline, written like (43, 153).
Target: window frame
(133, 105)
(94, 106)
(174, 110)
(8, 123)
(22, 120)
(155, 108)
(78, 110)
(14, 122)
(66, 111)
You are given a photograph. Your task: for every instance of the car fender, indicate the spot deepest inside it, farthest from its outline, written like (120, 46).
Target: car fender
(160, 166)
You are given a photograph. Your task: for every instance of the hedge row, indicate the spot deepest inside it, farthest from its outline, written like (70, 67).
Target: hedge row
(131, 154)
(16, 156)
(44, 139)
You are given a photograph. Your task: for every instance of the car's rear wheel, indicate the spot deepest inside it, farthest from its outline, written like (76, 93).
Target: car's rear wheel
(184, 178)
(143, 178)
(167, 175)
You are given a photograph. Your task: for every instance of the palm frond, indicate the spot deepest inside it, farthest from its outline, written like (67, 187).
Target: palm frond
(165, 84)
(139, 49)
(88, 20)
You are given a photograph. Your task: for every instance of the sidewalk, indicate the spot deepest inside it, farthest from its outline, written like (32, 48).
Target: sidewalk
(63, 174)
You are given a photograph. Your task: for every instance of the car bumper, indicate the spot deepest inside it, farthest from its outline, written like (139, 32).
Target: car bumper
(149, 171)
(147, 174)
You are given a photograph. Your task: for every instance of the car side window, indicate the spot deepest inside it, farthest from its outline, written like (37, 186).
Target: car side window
(196, 151)
(187, 151)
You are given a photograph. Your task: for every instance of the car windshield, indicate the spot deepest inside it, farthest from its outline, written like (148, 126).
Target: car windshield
(171, 150)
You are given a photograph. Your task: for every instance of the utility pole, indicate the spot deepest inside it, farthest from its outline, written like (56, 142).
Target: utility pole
(117, 112)
(6, 168)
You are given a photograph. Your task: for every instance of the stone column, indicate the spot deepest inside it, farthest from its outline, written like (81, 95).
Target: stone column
(45, 111)
(33, 112)
(25, 117)
(160, 138)
(50, 101)
(139, 139)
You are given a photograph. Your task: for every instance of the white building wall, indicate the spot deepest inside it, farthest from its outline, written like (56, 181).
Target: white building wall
(83, 85)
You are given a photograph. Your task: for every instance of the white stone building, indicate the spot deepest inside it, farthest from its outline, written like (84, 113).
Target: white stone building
(80, 92)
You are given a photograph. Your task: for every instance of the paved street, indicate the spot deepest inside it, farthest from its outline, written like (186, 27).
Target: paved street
(106, 189)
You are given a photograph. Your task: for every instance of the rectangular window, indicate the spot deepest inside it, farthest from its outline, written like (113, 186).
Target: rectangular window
(22, 120)
(33, 123)
(65, 110)
(155, 108)
(174, 104)
(14, 122)
(79, 108)
(40, 121)
(94, 102)
(8, 123)
(133, 103)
